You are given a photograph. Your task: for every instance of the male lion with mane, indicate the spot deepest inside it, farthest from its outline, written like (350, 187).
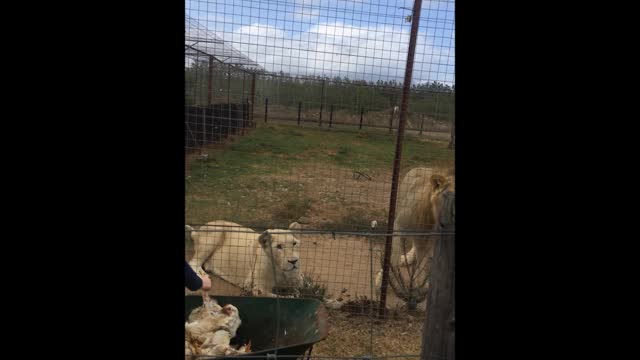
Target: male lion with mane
(426, 202)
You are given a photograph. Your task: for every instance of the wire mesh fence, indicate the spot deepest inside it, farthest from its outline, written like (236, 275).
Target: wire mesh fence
(341, 269)
(292, 113)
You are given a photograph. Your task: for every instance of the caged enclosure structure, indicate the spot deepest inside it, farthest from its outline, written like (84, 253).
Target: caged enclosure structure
(319, 145)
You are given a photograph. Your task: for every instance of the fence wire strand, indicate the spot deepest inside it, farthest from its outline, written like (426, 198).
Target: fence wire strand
(292, 111)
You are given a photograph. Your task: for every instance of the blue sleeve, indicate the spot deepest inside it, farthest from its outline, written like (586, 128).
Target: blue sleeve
(191, 280)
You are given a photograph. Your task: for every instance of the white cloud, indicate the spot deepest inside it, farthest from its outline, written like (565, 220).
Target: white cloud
(338, 49)
(372, 51)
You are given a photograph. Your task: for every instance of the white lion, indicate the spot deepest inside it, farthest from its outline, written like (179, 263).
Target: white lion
(248, 259)
(425, 203)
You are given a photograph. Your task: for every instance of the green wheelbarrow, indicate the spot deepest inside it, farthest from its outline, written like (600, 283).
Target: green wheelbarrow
(302, 323)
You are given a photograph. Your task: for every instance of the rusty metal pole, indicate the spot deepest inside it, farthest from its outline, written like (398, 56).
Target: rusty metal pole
(210, 82)
(396, 161)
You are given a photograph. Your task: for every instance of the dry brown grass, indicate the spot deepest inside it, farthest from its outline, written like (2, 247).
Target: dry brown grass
(352, 335)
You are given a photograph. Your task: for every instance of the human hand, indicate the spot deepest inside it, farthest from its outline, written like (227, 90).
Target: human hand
(206, 282)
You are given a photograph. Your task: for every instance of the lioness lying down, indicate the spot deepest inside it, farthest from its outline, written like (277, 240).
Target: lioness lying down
(241, 256)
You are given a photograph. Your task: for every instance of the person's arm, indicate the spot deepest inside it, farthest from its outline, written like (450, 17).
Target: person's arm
(192, 281)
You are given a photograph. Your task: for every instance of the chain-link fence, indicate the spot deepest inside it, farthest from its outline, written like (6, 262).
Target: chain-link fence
(293, 114)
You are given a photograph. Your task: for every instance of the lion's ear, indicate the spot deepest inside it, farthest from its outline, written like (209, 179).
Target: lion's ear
(295, 226)
(438, 182)
(265, 239)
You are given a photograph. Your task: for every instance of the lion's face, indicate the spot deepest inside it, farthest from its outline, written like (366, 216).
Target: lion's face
(283, 246)
(443, 202)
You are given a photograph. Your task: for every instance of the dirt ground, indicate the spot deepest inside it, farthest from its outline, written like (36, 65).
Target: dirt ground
(345, 263)
(342, 196)
(359, 335)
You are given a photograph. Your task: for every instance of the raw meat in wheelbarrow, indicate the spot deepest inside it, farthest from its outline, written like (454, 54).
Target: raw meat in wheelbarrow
(212, 330)
(209, 305)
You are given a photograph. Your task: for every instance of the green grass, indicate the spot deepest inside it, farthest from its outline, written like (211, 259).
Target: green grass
(234, 182)
(279, 145)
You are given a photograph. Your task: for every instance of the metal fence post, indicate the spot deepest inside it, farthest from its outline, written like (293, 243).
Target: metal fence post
(406, 88)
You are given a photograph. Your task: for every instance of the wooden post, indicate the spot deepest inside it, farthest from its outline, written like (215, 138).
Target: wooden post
(331, 116)
(391, 119)
(452, 143)
(299, 109)
(229, 85)
(266, 108)
(243, 102)
(438, 337)
(245, 115)
(253, 98)
(321, 103)
(361, 115)
(210, 82)
(231, 130)
(244, 76)
(421, 124)
(204, 128)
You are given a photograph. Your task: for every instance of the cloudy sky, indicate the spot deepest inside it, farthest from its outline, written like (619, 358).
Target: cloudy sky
(358, 39)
